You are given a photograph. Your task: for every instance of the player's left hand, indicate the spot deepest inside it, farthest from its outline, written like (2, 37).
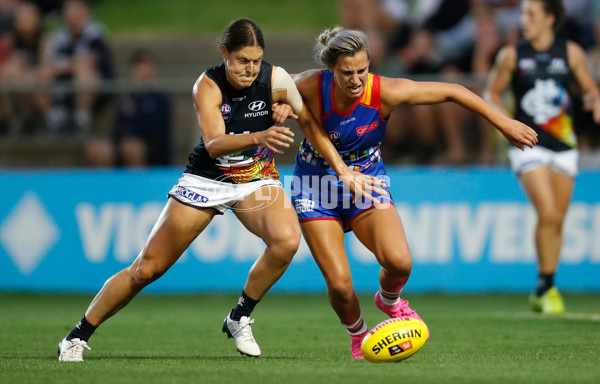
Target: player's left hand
(517, 133)
(281, 112)
(592, 104)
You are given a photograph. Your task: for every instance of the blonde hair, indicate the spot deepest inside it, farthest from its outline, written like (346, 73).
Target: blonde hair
(336, 42)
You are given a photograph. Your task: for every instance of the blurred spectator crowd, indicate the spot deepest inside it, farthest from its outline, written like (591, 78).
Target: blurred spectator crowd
(457, 41)
(55, 56)
(57, 73)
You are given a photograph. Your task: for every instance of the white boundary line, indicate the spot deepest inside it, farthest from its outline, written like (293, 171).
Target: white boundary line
(567, 315)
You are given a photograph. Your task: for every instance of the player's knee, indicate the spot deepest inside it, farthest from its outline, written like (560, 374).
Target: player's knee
(341, 289)
(286, 244)
(286, 250)
(550, 218)
(145, 272)
(400, 264)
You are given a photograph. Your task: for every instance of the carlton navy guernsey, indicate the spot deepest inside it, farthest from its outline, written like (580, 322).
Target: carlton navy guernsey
(244, 111)
(540, 84)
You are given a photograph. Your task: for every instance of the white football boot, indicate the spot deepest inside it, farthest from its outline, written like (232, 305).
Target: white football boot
(72, 350)
(242, 334)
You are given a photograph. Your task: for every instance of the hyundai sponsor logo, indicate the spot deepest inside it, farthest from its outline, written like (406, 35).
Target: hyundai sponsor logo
(258, 109)
(256, 106)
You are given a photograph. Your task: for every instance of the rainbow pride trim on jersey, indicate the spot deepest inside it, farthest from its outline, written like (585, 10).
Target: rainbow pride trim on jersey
(262, 167)
(561, 127)
(359, 161)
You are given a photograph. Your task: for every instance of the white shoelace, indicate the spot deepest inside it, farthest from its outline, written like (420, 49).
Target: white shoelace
(76, 349)
(245, 330)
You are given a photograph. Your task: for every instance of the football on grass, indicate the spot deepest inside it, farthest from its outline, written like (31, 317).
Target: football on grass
(394, 340)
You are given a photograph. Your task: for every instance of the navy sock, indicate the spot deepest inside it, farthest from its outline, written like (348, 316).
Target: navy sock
(544, 283)
(83, 330)
(244, 307)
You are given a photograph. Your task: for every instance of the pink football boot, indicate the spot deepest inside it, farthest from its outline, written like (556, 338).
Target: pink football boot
(399, 310)
(356, 341)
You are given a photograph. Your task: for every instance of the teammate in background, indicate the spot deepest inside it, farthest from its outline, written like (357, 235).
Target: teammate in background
(354, 106)
(540, 70)
(232, 167)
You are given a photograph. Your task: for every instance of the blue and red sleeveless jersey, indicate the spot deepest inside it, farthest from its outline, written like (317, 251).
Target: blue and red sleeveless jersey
(355, 133)
(316, 192)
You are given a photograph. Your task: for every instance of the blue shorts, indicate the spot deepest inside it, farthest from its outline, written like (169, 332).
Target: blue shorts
(317, 194)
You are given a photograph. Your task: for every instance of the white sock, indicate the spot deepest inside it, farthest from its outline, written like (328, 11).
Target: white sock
(386, 300)
(357, 328)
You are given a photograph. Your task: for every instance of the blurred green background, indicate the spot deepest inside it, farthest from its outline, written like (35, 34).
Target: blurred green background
(177, 17)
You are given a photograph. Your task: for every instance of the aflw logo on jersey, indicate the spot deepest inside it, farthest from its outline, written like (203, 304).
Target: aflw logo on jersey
(257, 107)
(335, 138)
(527, 64)
(226, 112)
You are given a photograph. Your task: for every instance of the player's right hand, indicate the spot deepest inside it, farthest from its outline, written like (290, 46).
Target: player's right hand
(517, 133)
(361, 185)
(276, 138)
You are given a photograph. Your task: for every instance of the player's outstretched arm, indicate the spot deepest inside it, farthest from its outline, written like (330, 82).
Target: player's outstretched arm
(403, 91)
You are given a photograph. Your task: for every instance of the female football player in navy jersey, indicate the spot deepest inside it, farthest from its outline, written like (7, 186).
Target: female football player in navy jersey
(540, 70)
(232, 167)
(354, 106)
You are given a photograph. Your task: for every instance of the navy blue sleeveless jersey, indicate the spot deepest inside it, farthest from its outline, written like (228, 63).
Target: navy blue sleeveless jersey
(244, 111)
(541, 83)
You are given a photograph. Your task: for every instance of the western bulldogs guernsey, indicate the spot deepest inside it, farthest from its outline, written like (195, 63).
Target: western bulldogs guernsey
(244, 111)
(540, 83)
(357, 135)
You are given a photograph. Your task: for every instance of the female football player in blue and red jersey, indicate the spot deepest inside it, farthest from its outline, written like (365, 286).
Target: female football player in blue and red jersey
(354, 105)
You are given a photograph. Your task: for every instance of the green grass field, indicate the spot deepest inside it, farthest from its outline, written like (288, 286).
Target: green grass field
(177, 339)
(211, 16)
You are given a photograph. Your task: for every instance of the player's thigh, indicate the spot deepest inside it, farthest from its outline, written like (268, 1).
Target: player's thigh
(382, 232)
(325, 239)
(268, 213)
(537, 184)
(562, 188)
(176, 228)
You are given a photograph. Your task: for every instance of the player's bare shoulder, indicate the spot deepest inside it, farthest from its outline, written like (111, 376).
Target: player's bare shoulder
(396, 91)
(206, 87)
(391, 82)
(575, 54)
(507, 58)
(307, 81)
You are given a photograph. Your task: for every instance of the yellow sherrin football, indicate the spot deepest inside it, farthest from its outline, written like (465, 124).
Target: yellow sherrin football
(394, 340)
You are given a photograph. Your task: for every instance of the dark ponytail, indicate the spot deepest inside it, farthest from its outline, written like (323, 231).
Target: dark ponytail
(556, 8)
(242, 33)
